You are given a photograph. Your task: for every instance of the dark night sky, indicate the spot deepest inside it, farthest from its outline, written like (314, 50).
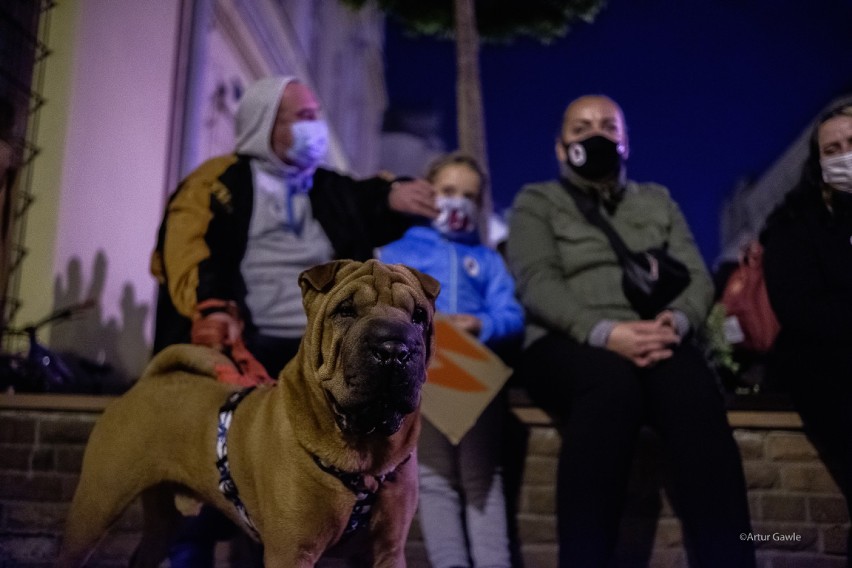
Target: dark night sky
(713, 90)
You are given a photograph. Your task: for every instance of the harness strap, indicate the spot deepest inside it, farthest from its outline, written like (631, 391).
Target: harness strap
(227, 485)
(365, 488)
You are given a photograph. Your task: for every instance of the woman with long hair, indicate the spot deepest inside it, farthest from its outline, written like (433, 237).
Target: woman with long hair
(808, 269)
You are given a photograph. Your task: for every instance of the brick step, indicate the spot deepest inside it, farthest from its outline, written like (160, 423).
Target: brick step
(790, 492)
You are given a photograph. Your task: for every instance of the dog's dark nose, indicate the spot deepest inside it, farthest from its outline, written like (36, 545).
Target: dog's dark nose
(392, 353)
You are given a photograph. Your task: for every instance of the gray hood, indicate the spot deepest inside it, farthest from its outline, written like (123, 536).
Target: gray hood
(256, 117)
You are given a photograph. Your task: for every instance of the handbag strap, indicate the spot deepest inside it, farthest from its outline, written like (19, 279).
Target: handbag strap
(587, 206)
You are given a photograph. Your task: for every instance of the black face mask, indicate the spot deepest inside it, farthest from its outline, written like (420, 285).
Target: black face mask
(594, 158)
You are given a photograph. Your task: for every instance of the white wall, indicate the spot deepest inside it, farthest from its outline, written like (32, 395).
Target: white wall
(107, 147)
(104, 173)
(116, 147)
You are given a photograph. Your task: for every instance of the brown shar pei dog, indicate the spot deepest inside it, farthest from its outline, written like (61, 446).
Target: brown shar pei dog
(323, 461)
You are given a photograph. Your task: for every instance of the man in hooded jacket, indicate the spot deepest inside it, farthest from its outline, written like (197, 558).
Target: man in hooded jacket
(241, 227)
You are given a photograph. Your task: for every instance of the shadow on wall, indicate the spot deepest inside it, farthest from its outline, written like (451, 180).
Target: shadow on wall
(106, 355)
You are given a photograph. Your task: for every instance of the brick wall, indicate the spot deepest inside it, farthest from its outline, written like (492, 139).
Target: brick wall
(40, 457)
(790, 493)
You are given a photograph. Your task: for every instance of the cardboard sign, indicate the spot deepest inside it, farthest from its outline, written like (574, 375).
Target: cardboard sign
(463, 378)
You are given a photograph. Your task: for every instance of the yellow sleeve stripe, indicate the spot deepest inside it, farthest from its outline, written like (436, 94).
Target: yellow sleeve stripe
(188, 217)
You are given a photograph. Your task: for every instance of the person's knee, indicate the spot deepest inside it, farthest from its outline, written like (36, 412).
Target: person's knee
(685, 381)
(567, 370)
(613, 381)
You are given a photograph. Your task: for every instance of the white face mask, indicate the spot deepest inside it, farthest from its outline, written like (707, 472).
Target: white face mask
(310, 143)
(457, 218)
(837, 172)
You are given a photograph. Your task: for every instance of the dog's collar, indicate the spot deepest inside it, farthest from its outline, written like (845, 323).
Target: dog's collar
(227, 485)
(363, 486)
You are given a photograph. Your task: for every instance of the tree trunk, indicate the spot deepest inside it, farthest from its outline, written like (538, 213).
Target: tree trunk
(471, 127)
(469, 107)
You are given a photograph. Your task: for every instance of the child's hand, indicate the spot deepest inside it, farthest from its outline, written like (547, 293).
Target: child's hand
(468, 322)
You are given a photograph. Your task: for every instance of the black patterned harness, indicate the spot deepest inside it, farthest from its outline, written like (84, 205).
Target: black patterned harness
(365, 487)
(226, 482)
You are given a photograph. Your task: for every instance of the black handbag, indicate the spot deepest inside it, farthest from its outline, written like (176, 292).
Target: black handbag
(651, 278)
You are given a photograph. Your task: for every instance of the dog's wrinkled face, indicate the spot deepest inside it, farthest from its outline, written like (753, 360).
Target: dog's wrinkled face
(370, 330)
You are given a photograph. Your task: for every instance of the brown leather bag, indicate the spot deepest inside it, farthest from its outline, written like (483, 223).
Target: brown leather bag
(745, 298)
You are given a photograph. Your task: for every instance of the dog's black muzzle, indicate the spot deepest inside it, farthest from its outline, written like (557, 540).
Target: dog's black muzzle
(384, 372)
(391, 353)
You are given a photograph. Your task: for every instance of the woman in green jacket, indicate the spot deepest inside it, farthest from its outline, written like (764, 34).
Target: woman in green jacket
(603, 369)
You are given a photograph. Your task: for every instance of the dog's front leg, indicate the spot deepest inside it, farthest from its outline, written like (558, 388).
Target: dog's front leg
(392, 514)
(278, 558)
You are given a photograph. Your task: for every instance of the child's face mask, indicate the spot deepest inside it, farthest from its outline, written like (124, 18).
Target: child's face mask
(457, 219)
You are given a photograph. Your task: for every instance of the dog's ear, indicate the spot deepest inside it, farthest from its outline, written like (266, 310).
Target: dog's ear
(321, 277)
(430, 286)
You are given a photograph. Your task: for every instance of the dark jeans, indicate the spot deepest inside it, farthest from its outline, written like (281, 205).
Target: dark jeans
(823, 399)
(601, 400)
(197, 536)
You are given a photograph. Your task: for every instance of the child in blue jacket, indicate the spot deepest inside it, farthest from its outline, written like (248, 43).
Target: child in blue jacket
(462, 505)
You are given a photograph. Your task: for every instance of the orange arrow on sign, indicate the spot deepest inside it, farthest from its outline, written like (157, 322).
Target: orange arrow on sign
(446, 373)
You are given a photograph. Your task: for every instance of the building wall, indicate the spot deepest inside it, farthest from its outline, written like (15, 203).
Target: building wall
(99, 182)
(132, 106)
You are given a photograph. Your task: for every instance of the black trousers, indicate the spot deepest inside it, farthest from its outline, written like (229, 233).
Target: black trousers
(272, 352)
(601, 400)
(819, 385)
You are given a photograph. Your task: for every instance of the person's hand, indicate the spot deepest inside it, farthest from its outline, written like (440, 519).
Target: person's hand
(415, 197)
(218, 330)
(666, 319)
(468, 322)
(645, 343)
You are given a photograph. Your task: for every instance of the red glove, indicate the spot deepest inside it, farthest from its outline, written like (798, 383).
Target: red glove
(246, 371)
(217, 324)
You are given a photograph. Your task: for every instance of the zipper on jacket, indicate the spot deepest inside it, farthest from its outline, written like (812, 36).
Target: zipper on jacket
(454, 279)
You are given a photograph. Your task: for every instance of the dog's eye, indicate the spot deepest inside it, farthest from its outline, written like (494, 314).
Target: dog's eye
(419, 316)
(346, 309)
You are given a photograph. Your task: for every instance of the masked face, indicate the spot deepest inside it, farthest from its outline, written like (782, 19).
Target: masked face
(835, 149)
(594, 158)
(299, 138)
(593, 140)
(457, 219)
(837, 172)
(310, 143)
